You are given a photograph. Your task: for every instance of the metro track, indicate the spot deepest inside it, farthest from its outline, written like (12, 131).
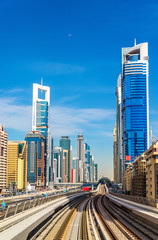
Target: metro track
(95, 217)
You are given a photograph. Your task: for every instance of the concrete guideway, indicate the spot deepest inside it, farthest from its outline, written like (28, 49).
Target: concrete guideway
(21, 229)
(146, 212)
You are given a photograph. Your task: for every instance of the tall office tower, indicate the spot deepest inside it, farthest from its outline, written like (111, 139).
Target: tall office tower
(87, 162)
(40, 122)
(81, 170)
(65, 144)
(95, 172)
(52, 159)
(55, 171)
(135, 102)
(17, 164)
(73, 179)
(115, 155)
(71, 163)
(118, 165)
(58, 155)
(35, 160)
(3, 158)
(91, 168)
(65, 165)
(80, 151)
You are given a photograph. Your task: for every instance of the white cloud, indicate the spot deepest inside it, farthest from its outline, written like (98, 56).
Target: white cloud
(63, 120)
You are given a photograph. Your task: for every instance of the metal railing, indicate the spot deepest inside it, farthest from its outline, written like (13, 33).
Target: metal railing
(137, 199)
(15, 208)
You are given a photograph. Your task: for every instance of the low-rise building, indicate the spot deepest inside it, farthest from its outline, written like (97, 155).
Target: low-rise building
(17, 165)
(139, 176)
(151, 157)
(128, 179)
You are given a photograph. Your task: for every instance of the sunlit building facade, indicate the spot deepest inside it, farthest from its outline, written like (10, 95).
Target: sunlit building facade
(135, 102)
(40, 122)
(66, 145)
(3, 158)
(36, 159)
(17, 164)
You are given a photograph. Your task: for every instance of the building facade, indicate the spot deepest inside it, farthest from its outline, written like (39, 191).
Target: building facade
(58, 156)
(115, 162)
(40, 122)
(128, 179)
(118, 150)
(3, 158)
(36, 158)
(65, 145)
(95, 172)
(80, 155)
(65, 166)
(86, 162)
(17, 164)
(151, 157)
(135, 102)
(139, 176)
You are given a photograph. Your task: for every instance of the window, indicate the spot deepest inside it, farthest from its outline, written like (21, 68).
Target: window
(32, 160)
(2, 151)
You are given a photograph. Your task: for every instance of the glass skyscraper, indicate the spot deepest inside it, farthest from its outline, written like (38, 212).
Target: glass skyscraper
(134, 102)
(40, 122)
(65, 144)
(36, 148)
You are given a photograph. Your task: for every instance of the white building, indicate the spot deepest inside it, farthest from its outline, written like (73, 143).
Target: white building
(40, 121)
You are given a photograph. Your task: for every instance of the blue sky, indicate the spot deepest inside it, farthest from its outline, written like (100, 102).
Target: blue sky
(75, 46)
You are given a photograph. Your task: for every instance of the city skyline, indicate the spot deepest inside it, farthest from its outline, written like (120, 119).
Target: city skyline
(82, 89)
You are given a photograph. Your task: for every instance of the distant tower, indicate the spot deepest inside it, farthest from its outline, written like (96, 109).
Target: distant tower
(65, 144)
(3, 158)
(80, 155)
(40, 122)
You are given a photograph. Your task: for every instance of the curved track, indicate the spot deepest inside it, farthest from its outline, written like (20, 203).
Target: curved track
(94, 216)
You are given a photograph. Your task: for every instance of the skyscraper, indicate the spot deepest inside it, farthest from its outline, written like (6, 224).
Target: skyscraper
(87, 162)
(95, 172)
(40, 122)
(135, 102)
(65, 144)
(3, 158)
(58, 155)
(35, 160)
(80, 155)
(17, 164)
(118, 150)
(115, 156)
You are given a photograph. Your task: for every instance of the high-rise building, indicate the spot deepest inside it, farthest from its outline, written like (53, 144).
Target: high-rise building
(135, 102)
(17, 164)
(36, 162)
(65, 165)
(91, 168)
(118, 162)
(58, 155)
(74, 170)
(80, 154)
(40, 122)
(65, 144)
(95, 172)
(3, 158)
(87, 162)
(115, 156)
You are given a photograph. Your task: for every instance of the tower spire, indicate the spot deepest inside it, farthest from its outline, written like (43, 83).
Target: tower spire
(41, 84)
(135, 42)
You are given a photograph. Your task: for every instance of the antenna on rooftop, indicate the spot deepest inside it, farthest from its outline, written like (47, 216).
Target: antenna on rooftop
(135, 42)
(41, 84)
